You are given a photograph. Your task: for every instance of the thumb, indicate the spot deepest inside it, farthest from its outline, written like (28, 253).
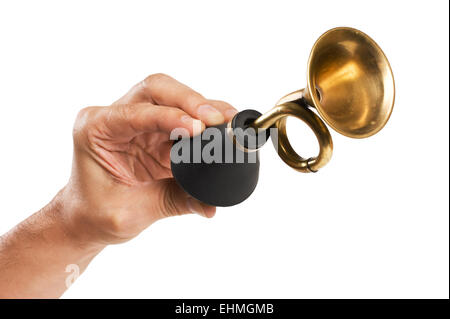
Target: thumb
(174, 201)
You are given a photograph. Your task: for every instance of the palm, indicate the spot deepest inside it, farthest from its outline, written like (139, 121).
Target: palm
(144, 158)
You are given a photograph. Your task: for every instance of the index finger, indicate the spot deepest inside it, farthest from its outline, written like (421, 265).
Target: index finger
(164, 90)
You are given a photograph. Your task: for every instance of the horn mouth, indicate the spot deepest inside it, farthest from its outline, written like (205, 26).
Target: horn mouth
(350, 82)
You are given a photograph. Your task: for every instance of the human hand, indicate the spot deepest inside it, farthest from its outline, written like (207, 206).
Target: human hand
(121, 179)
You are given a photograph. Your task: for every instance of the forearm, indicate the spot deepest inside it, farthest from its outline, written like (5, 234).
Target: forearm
(35, 254)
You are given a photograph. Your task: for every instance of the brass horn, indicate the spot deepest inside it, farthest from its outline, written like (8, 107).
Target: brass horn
(351, 85)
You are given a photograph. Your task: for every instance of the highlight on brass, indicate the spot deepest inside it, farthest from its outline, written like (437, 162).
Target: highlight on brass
(350, 84)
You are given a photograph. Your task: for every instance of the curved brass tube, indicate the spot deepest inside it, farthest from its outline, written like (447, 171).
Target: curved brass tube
(277, 117)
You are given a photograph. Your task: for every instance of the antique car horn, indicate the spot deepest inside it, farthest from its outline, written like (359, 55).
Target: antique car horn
(350, 84)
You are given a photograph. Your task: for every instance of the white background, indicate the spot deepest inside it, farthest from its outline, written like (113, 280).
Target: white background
(373, 224)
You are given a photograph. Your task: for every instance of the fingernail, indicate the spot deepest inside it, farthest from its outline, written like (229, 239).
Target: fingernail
(195, 207)
(230, 113)
(209, 114)
(187, 119)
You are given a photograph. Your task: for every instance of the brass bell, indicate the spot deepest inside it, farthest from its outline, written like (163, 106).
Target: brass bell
(351, 85)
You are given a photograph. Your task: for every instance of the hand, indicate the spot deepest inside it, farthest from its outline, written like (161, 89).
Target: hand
(121, 179)
(121, 183)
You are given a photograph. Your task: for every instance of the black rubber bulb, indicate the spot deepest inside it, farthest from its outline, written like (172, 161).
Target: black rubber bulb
(219, 167)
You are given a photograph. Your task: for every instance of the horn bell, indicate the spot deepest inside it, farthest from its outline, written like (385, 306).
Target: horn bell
(350, 82)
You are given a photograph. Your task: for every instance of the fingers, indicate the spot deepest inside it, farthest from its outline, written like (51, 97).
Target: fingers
(163, 90)
(167, 91)
(174, 201)
(130, 120)
(225, 108)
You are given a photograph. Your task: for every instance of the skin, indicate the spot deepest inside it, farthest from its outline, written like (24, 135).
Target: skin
(121, 183)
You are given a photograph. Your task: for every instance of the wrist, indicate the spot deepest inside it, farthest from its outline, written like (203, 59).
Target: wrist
(36, 254)
(68, 212)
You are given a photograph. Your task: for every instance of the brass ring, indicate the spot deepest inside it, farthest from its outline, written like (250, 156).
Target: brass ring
(278, 116)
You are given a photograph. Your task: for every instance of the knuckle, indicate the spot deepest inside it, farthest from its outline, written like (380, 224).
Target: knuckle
(151, 85)
(124, 111)
(128, 113)
(85, 113)
(84, 120)
(157, 77)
